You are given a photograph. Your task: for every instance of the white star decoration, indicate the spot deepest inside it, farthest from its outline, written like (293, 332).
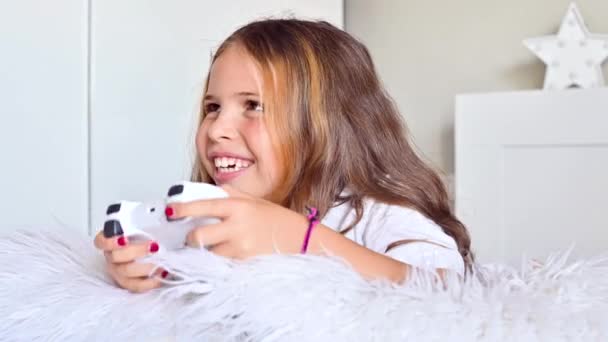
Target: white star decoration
(573, 57)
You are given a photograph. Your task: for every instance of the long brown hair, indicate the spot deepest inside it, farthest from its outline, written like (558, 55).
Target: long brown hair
(336, 127)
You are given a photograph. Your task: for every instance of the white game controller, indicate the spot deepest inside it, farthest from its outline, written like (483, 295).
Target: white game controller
(147, 221)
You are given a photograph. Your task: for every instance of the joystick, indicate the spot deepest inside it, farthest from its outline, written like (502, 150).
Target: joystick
(147, 221)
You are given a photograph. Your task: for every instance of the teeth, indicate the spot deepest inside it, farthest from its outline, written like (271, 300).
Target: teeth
(225, 164)
(229, 169)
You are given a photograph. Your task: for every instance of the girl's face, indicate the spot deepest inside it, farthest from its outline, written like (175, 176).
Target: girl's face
(233, 141)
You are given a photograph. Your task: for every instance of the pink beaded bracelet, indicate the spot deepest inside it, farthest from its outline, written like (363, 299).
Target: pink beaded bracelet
(312, 222)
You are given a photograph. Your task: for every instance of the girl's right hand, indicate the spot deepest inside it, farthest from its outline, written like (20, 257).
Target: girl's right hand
(122, 265)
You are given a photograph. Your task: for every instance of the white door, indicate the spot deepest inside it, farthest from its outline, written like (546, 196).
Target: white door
(43, 114)
(532, 172)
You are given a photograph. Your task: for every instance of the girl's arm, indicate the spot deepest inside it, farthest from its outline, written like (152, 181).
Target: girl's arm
(368, 263)
(252, 226)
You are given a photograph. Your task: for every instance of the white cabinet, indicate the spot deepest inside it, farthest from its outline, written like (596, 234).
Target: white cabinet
(99, 104)
(532, 172)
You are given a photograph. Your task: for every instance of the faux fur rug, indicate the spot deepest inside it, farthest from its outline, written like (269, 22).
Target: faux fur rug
(53, 286)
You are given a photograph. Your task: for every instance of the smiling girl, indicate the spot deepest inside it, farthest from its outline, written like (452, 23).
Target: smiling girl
(294, 116)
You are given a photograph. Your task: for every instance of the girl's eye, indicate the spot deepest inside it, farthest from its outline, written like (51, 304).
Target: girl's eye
(211, 108)
(254, 106)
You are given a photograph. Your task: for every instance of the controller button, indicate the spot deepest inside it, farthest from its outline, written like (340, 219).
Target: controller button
(176, 190)
(113, 208)
(112, 228)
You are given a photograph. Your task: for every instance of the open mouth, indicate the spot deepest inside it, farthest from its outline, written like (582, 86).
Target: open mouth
(230, 165)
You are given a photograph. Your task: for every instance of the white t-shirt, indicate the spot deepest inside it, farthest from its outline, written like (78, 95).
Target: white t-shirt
(383, 224)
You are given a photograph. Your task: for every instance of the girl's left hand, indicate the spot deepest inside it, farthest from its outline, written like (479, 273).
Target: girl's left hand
(249, 226)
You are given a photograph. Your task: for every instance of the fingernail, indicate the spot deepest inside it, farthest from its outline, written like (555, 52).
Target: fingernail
(164, 274)
(169, 211)
(121, 241)
(153, 247)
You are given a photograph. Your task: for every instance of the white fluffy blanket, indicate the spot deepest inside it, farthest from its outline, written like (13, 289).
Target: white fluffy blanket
(53, 286)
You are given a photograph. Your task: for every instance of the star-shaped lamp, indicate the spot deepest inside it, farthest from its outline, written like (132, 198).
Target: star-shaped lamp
(573, 57)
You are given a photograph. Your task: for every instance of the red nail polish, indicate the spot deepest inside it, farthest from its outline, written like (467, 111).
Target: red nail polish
(153, 247)
(164, 274)
(121, 241)
(169, 211)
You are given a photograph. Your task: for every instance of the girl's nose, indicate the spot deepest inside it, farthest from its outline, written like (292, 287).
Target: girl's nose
(223, 127)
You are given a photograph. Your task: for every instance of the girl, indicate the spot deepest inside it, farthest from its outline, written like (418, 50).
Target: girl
(294, 115)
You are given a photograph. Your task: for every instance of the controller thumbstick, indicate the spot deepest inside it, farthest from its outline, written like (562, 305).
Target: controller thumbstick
(175, 190)
(113, 208)
(112, 228)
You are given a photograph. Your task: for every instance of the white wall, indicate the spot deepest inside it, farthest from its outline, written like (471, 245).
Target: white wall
(429, 51)
(43, 126)
(99, 98)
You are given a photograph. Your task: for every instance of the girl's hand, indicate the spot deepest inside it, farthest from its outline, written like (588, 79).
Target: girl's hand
(249, 226)
(122, 267)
